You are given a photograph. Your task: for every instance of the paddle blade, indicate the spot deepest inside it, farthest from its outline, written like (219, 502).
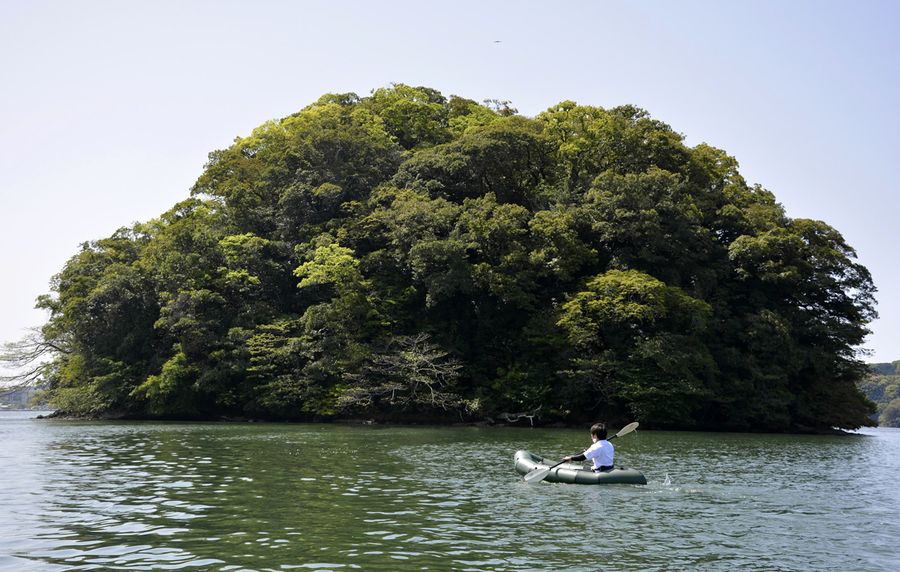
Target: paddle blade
(537, 475)
(626, 430)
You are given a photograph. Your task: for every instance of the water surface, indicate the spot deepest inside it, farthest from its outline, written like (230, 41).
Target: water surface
(254, 497)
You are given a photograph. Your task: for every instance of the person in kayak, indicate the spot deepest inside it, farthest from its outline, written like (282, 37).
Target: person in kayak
(601, 453)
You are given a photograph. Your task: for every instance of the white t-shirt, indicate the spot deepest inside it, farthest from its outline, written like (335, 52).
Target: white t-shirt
(601, 453)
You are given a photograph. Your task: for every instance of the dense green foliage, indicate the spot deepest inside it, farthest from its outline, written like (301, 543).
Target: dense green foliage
(882, 386)
(409, 256)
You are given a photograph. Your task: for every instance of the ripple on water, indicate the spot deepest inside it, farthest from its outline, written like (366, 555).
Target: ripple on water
(121, 496)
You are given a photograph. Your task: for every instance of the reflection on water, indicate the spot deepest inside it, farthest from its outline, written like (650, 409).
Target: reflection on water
(156, 496)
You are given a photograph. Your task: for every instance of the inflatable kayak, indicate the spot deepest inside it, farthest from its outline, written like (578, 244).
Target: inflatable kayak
(575, 473)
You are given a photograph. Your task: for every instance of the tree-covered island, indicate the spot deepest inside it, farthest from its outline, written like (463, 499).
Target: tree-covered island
(411, 257)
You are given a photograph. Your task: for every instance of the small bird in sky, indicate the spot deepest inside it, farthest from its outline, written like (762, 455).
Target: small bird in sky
(497, 41)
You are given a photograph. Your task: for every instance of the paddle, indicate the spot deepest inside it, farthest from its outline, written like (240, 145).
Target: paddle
(538, 475)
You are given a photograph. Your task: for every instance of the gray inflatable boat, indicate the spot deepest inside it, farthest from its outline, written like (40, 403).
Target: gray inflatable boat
(575, 473)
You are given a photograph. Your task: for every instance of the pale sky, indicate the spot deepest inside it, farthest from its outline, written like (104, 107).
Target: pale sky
(109, 108)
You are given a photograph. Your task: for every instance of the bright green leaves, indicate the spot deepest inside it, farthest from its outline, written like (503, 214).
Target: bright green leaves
(620, 305)
(331, 264)
(169, 392)
(466, 116)
(617, 301)
(333, 269)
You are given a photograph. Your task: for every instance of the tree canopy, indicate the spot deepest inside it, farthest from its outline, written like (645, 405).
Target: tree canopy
(411, 256)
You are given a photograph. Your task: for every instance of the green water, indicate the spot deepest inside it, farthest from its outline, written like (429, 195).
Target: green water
(178, 496)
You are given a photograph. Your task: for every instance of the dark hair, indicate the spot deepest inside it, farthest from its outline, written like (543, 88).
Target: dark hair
(599, 430)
